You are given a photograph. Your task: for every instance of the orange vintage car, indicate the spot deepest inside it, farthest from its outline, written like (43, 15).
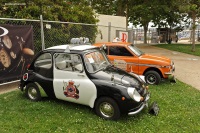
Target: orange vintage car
(131, 59)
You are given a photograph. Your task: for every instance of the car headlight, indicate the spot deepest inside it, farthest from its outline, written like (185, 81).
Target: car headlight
(132, 92)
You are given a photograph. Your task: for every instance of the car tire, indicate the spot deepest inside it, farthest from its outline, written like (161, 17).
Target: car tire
(152, 77)
(32, 92)
(107, 108)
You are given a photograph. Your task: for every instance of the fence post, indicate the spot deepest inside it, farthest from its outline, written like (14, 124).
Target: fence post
(109, 31)
(42, 32)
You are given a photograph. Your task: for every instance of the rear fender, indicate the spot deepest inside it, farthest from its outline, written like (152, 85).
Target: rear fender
(42, 92)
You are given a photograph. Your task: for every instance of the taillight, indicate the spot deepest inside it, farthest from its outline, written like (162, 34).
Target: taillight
(28, 66)
(25, 76)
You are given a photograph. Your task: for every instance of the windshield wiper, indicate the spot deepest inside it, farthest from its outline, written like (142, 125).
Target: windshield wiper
(109, 65)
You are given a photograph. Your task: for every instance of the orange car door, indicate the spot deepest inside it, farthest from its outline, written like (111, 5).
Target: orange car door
(122, 58)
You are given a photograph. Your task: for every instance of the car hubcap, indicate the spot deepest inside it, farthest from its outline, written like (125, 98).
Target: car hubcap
(151, 79)
(106, 109)
(32, 93)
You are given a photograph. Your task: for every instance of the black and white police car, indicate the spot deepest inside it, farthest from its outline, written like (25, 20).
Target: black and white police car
(83, 74)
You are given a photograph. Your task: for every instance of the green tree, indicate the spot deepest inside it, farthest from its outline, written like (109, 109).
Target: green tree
(192, 9)
(109, 7)
(161, 13)
(62, 10)
(166, 15)
(77, 11)
(140, 13)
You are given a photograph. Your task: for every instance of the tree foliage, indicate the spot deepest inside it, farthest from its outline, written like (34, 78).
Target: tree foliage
(58, 10)
(109, 7)
(192, 9)
(160, 13)
(142, 12)
(165, 13)
(77, 11)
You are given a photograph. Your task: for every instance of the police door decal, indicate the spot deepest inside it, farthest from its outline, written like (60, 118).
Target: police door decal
(70, 89)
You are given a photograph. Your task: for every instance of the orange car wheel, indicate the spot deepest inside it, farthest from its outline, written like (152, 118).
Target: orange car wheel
(152, 77)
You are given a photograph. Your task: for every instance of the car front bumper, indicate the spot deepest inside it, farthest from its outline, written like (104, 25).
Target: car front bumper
(170, 74)
(141, 107)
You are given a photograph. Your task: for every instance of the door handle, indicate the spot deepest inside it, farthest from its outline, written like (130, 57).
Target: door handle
(82, 75)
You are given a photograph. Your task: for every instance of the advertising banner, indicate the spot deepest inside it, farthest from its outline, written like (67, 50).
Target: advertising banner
(16, 51)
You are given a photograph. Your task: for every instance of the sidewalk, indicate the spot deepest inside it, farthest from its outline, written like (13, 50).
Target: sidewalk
(8, 87)
(186, 66)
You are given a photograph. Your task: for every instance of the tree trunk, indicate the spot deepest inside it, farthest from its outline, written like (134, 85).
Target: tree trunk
(193, 31)
(145, 33)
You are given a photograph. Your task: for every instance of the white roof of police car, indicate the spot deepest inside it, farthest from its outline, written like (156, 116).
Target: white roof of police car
(73, 47)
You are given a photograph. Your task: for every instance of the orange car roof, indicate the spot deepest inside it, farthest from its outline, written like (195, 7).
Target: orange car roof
(111, 43)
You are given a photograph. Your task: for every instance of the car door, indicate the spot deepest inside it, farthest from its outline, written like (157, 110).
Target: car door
(43, 65)
(122, 58)
(70, 80)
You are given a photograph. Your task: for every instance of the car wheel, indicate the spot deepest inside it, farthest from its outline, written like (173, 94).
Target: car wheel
(107, 108)
(32, 92)
(152, 77)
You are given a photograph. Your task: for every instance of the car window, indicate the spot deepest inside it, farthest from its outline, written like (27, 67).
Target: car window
(135, 50)
(95, 61)
(119, 51)
(44, 61)
(68, 62)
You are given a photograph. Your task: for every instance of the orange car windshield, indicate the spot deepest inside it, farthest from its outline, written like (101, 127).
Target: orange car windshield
(135, 50)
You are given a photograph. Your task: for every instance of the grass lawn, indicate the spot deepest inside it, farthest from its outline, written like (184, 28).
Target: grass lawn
(179, 112)
(184, 48)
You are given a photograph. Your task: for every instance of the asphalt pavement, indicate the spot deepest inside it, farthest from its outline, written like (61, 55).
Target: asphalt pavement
(187, 67)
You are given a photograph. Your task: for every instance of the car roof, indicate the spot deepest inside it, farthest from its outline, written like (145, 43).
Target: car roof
(71, 47)
(112, 43)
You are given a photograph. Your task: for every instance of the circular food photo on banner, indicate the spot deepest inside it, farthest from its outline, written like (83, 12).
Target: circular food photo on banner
(28, 51)
(5, 58)
(7, 42)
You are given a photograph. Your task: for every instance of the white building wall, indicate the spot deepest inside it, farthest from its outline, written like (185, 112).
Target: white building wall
(117, 23)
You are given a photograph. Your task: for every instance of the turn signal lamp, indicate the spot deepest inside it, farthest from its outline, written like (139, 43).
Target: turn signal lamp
(28, 66)
(147, 87)
(123, 98)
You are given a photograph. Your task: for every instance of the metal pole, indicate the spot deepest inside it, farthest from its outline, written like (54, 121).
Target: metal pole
(42, 32)
(109, 31)
(126, 16)
(198, 34)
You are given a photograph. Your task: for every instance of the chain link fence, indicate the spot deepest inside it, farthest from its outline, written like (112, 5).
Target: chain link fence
(58, 33)
(52, 33)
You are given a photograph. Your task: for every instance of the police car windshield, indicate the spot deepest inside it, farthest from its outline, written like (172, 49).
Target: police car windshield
(135, 50)
(96, 61)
